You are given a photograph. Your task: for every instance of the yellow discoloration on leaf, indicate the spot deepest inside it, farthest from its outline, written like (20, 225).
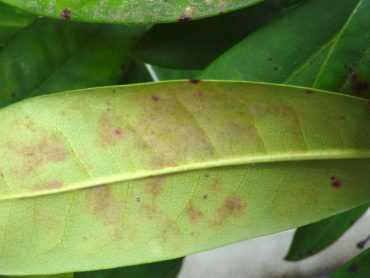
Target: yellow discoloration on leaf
(164, 170)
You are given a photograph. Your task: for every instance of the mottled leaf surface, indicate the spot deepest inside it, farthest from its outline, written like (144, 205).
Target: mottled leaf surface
(63, 56)
(162, 170)
(358, 267)
(313, 238)
(130, 11)
(194, 45)
(164, 269)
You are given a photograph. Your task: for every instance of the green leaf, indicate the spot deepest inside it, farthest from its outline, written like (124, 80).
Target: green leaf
(164, 269)
(358, 267)
(64, 275)
(63, 56)
(313, 238)
(193, 45)
(284, 50)
(350, 50)
(162, 170)
(11, 22)
(131, 11)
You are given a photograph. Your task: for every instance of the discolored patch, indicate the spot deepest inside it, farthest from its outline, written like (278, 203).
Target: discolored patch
(32, 156)
(104, 205)
(361, 244)
(358, 86)
(155, 98)
(335, 182)
(193, 212)
(155, 186)
(110, 128)
(47, 186)
(353, 268)
(232, 207)
(66, 14)
(194, 81)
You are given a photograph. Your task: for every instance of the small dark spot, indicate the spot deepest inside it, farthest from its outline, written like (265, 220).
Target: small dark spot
(359, 86)
(205, 196)
(353, 268)
(335, 182)
(117, 132)
(361, 244)
(269, 59)
(138, 199)
(13, 94)
(184, 18)
(194, 81)
(308, 92)
(342, 117)
(221, 13)
(114, 90)
(155, 98)
(206, 175)
(276, 68)
(66, 14)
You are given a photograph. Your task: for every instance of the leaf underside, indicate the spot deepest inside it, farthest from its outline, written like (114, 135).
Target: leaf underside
(131, 11)
(163, 170)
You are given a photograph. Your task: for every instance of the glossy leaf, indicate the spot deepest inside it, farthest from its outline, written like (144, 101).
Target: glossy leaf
(288, 46)
(11, 21)
(164, 269)
(346, 67)
(358, 267)
(193, 44)
(131, 11)
(62, 56)
(126, 187)
(311, 239)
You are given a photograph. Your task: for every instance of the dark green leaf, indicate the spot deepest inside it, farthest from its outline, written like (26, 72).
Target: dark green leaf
(11, 22)
(63, 56)
(359, 267)
(193, 45)
(313, 238)
(276, 52)
(164, 269)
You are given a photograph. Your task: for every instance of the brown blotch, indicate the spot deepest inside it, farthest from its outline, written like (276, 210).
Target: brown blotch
(155, 98)
(109, 131)
(50, 149)
(66, 14)
(155, 186)
(335, 182)
(232, 207)
(46, 186)
(103, 204)
(194, 81)
(205, 196)
(269, 59)
(308, 92)
(359, 86)
(13, 94)
(193, 212)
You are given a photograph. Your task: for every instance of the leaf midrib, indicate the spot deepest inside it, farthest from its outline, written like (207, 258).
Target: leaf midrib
(334, 154)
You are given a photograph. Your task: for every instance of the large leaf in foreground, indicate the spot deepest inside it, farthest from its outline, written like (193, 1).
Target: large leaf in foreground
(162, 170)
(129, 11)
(358, 267)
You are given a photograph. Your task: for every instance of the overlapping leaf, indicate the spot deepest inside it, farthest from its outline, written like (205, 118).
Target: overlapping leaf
(193, 45)
(130, 11)
(126, 187)
(358, 267)
(48, 56)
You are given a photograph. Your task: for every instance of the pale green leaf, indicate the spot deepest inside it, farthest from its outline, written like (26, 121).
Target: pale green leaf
(130, 11)
(163, 170)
